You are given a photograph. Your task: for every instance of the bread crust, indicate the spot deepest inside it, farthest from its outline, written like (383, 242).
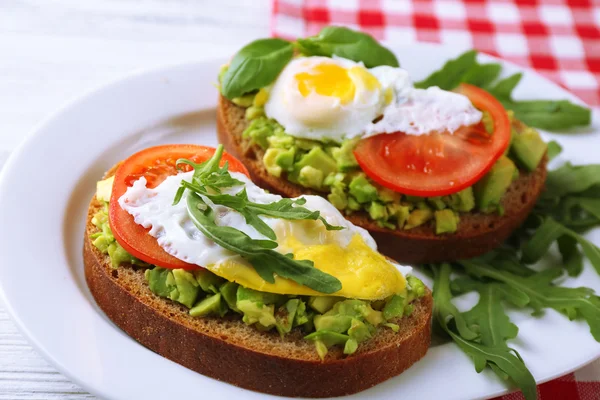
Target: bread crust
(477, 234)
(228, 350)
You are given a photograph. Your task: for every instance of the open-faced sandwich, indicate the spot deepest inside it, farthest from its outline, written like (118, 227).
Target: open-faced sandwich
(284, 296)
(434, 175)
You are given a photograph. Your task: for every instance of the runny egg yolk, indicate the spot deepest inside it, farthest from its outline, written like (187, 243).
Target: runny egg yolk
(363, 272)
(332, 80)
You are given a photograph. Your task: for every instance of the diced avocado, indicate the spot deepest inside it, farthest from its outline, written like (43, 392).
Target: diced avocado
(285, 315)
(281, 141)
(446, 221)
(270, 164)
(254, 112)
(488, 122)
(256, 312)
(422, 205)
(322, 304)
(416, 288)
(261, 98)
(104, 189)
(436, 202)
(398, 213)
(351, 307)
(245, 100)
(353, 205)
(311, 177)
(285, 158)
(328, 338)
(377, 211)
(344, 155)
(119, 255)
(321, 349)
(228, 291)
(362, 190)
(378, 304)
(335, 323)
(338, 198)
(358, 330)
(244, 293)
(418, 217)
(529, 148)
(388, 196)
(463, 201)
(301, 317)
(408, 310)
(394, 307)
(394, 327)
(373, 317)
(335, 180)
(101, 243)
(307, 144)
(516, 174)
(350, 346)
(259, 131)
(187, 287)
(208, 281)
(211, 305)
(160, 281)
(490, 190)
(318, 159)
(414, 199)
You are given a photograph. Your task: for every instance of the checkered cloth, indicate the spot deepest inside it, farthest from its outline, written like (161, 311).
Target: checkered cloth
(558, 38)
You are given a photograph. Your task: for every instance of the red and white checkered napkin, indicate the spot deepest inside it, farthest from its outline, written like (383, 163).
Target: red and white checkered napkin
(558, 38)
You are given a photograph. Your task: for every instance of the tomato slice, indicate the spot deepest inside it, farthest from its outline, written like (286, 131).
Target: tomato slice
(155, 164)
(437, 164)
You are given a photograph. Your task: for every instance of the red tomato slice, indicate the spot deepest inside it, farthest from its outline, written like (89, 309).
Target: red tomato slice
(155, 164)
(437, 164)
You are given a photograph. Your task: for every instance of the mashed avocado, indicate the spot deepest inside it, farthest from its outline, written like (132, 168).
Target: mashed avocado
(331, 168)
(326, 320)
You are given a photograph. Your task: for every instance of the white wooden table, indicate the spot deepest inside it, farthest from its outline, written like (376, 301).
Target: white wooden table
(53, 51)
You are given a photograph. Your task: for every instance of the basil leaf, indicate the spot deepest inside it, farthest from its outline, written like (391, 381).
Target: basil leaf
(255, 66)
(451, 74)
(259, 253)
(346, 43)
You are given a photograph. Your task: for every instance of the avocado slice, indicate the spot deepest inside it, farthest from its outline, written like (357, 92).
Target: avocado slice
(528, 148)
(446, 221)
(394, 307)
(362, 190)
(318, 159)
(285, 315)
(490, 190)
(463, 201)
(211, 305)
(208, 281)
(344, 155)
(187, 287)
(418, 217)
(335, 323)
(229, 293)
(358, 330)
(104, 189)
(322, 304)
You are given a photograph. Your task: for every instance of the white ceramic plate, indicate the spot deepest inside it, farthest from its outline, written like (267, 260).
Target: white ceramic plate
(44, 192)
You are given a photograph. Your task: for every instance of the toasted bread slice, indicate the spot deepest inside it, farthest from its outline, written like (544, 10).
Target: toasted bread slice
(229, 350)
(477, 232)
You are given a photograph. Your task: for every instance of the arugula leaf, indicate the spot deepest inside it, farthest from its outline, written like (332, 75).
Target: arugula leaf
(504, 87)
(444, 310)
(571, 256)
(289, 209)
(569, 179)
(554, 149)
(346, 43)
(260, 253)
(551, 115)
(451, 74)
(255, 66)
(550, 231)
(504, 361)
(574, 302)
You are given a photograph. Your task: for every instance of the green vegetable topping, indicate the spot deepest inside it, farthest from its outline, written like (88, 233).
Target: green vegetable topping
(255, 66)
(346, 43)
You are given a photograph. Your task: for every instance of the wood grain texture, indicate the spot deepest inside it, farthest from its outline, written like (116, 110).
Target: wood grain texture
(54, 51)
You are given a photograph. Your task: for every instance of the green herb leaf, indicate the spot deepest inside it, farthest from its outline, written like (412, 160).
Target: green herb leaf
(482, 75)
(569, 179)
(452, 73)
(503, 89)
(554, 149)
(504, 361)
(571, 256)
(255, 66)
(259, 253)
(551, 115)
(346, 43)
(574, 302)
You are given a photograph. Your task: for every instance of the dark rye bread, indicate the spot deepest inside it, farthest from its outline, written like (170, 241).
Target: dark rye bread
(228, 350)
(477, 232)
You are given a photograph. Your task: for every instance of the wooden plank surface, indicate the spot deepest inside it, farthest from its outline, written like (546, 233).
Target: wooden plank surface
(53, 51)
